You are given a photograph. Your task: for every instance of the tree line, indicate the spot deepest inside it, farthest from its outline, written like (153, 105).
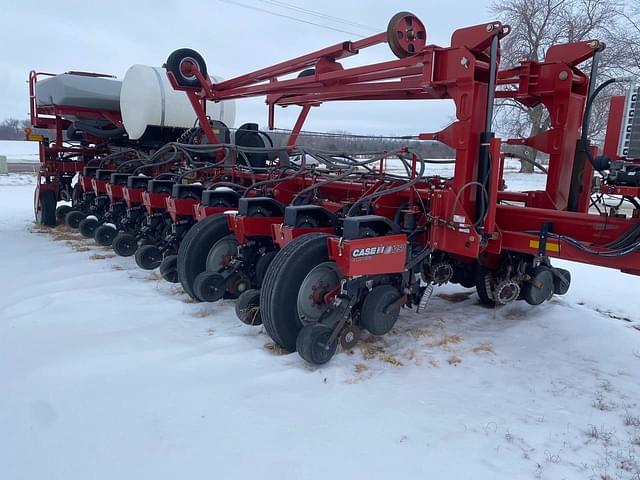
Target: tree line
(13, 129)
(346, 142)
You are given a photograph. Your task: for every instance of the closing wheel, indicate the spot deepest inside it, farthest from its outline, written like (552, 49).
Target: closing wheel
(73, 218)
(45, 207)
(105, 234)
(506, 292)
(88, 227)
(182, 63)
(209, 286)
(288, 269)
(485, 283)
(313, 344)
(248, 307)
(169, 268)
(61, 212)
(124, 244)
(148, 257)
(540, 287)
(195, 247)
(406, 34)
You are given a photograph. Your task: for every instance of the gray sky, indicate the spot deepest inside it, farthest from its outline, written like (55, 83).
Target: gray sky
(56, 36)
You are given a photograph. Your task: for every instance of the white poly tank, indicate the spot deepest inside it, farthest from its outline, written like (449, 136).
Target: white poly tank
(148, 99)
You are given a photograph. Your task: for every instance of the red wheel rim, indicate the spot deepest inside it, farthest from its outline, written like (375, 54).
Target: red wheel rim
(188, 67)
(406, 34)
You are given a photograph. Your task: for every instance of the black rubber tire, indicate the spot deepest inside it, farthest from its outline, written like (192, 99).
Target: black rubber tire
(61, 212)
(169, 268)
(481, 286)
(194, 248)
(73, 218)
(148, 257)
(88, 226)
(46, 209)
(262, 265)
(173, 65)
(105, 234)
(248, 307)
(282, 281)
(311, 343)
(124, 244)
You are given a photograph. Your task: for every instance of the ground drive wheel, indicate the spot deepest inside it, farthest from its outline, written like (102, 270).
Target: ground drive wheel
(282, 281)
(194, 249)
(169, 268)
(88, 227)
(45, 207)
(105, 234)
(124, 244)
(148, 257)
(73, 218)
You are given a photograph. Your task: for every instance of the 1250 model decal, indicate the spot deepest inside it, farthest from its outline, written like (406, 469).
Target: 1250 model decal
(380, 250)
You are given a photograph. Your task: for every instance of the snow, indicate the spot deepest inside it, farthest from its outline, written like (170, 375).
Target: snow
(107, 372)
(18, 151)
(17, 180)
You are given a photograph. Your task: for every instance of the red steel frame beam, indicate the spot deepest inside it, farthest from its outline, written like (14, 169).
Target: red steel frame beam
(459, 72)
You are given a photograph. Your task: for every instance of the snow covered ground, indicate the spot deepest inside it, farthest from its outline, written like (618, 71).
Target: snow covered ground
(108, 373)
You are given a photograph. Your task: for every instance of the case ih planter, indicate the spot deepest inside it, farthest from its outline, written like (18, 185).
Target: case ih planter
(393, 244)
(320, 246)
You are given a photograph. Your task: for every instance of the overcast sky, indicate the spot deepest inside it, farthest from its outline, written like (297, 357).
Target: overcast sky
(108, 37)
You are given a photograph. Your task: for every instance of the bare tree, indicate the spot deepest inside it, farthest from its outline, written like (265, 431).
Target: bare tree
(13, 129)
(538, 24)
